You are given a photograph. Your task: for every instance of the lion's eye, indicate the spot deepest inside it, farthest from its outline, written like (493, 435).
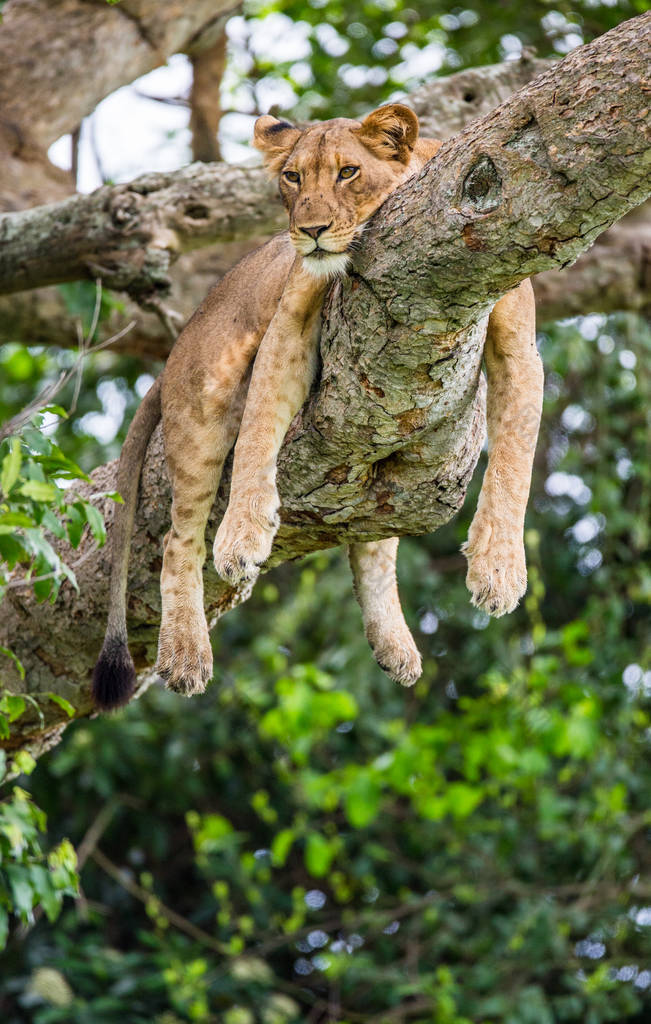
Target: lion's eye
(348, 172)
(292, 176)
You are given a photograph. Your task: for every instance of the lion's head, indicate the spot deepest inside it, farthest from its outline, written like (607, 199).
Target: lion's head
(334, 175)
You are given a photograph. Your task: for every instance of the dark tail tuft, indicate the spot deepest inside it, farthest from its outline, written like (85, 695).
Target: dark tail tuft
(114, 678)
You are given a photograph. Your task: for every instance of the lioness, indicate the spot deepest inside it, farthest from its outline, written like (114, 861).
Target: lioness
(332, 177)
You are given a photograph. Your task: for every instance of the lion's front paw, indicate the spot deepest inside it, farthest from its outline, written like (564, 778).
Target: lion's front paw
(184, 656)
(497, 570)
(396, 653)
(245, 537)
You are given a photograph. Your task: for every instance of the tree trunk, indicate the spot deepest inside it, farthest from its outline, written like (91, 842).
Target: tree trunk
(387, 442)
(205, 103)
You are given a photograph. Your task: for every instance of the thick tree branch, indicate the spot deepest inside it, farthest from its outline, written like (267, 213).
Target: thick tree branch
(388, 441)
(132, 233)
(613, 275)
(43, 97)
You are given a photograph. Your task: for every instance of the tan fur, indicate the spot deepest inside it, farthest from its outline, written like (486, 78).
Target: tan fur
(333, 177)
(497, 571)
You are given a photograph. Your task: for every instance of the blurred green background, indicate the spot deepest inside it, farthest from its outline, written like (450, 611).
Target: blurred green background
(308, 842)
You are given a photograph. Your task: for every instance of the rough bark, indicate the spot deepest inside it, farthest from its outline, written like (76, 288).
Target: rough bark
(134, 232)
(388, 440)
(42, 99)
(613, 275)
(131, 234)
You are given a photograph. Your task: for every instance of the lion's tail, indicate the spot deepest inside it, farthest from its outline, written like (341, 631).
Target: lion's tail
(114, 677)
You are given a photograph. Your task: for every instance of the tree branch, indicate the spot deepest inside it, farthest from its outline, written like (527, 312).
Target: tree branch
(206, 111)
(134, 232)
(388, 440)
(613, 275)
(43, 99)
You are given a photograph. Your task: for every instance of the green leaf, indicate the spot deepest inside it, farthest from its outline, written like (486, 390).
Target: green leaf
(281, 845)
(53, 524)
(12, 550)
(58, 410)
(37, 441)
(16, 660)
(15, 519)
(12, 706)
(96, 523)
(11, 465)
(362, 801)
(463, 799)
(319, 853)
(43, 589)
(22, 892)
(24, 762)
(76, 523)
(63, 703)
(39, 491)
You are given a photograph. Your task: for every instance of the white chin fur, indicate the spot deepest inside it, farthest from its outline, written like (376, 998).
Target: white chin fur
(332, 265)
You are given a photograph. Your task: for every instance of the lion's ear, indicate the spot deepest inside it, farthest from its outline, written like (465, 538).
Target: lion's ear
(275, 139)
(390, 132)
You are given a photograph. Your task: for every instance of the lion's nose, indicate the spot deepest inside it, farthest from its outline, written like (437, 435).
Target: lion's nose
(316, 231)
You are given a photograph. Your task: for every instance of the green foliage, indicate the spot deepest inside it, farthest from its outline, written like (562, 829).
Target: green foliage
(362, 52)
(37, 499)
(30, 879)
(36, 496)
(309, 835)
(109, 395)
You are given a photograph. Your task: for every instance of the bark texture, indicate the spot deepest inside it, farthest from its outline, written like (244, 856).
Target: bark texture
(131, 235)
(387, 442)
(614, 274)
(44, 98)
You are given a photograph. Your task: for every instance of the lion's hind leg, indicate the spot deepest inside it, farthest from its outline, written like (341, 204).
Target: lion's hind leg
(497, 572)
(196, 446)
(184, 651)
(374, 578)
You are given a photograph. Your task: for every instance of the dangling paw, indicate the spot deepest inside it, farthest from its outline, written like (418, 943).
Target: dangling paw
(396, 653)
(245, 537)
(497, 569)
(184, 656)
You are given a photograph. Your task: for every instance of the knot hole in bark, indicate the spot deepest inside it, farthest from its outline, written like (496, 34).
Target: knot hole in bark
(482, 186)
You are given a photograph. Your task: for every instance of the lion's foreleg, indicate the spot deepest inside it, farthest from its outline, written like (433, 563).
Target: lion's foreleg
(376, 588)
(497, 573)
(282, 375)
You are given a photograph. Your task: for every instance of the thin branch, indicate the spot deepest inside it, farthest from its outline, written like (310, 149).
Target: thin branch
(170, 101)
(145, 896)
